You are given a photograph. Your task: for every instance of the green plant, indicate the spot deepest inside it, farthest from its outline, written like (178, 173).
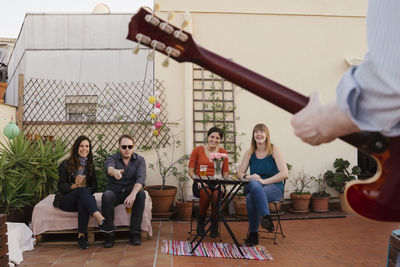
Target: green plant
(28, 171)
(301, 182)
(99, 161)
(321, 186)
(338, 178)
(182, 177)
(167, 163)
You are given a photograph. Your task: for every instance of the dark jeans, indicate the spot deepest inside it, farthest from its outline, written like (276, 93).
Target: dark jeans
(110, 199)
(81, 200)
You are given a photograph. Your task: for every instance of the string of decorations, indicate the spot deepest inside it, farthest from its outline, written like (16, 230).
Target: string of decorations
(156, 124)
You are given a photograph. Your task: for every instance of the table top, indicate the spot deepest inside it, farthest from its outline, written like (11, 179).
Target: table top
(220, 180)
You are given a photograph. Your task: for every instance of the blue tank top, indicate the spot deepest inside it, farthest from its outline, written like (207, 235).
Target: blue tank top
(265, 167)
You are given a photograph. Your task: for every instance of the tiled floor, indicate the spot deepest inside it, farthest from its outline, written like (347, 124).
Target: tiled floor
(350, 241)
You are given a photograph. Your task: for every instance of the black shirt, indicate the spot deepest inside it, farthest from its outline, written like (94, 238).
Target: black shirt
(134, 173)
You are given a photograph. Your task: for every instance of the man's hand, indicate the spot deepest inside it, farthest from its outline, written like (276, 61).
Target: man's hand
(316, 124)
(129, 200)
(118, 174)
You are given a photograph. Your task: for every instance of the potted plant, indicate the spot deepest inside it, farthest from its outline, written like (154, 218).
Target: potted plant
(338, 178)
(183, 207)
(300, 196)
(163, 196)
(28, 173)
(320, 198)
(239, 202)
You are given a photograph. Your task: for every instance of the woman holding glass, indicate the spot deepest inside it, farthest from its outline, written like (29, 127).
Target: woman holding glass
(267, 171)
(200, 162)
(76, 185)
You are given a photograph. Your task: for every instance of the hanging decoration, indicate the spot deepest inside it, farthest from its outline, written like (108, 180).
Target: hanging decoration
(11, 130)
(156, 124)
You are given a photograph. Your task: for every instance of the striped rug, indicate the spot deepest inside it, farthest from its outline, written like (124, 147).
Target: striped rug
(215, 250)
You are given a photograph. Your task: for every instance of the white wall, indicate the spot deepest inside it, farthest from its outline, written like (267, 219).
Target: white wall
(301, 44)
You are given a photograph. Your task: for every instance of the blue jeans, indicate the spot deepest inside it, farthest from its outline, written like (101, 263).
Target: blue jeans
(257, 200)
(81, 200)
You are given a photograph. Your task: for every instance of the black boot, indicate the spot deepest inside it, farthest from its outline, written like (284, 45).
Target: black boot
(252, 239)
(214, 228)
(135, 239)
(82, 242)
(200, 225)
(109, 240)
(266, 223)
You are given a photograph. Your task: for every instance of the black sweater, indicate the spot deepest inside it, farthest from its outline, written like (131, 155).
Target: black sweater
(66, 179)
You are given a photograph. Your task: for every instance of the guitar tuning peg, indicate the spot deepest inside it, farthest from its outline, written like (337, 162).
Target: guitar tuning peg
(185, 23)
(135, 50)
(166, 62)
(151, 56)
(171, 16)
(156, 8)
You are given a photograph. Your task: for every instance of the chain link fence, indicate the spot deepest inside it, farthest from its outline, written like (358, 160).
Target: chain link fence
(55, 109)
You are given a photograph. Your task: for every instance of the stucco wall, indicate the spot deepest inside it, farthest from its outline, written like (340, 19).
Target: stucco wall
(301, 44)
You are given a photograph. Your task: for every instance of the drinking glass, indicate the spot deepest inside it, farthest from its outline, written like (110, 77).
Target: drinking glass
(203, 170)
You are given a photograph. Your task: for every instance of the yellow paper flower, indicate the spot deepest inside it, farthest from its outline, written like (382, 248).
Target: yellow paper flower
(155, 132)
(152, 99)
(153, 116)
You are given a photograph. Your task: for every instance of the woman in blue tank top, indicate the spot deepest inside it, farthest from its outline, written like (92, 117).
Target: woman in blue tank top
(267, 171)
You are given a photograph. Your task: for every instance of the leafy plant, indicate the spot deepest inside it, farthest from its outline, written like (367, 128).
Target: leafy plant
(321, 187)
(338, 178)
(28, 171)
(99, 161)
(301, 183)
(167, 163)
(183, 177)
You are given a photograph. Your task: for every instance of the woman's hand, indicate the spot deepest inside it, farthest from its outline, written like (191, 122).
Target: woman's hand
(79, 179)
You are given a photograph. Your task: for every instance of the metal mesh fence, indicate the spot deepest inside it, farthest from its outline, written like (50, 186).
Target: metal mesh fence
(55, 109)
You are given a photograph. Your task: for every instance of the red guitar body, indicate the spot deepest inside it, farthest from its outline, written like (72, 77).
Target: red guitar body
(377, 198)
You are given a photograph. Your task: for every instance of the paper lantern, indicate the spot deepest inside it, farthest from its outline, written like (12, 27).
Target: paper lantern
(157, 93)
(158, 124)
(155, 132)
(11, 130)
(153, 128)
(157, 111)
(153, 116)
(152, 99)
(158, 105)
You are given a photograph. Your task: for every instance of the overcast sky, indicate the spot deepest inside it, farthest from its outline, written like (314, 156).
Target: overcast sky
(12, 12)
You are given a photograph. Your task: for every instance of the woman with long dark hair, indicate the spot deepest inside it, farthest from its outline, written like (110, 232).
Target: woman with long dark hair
(76, 185)
(201, 157)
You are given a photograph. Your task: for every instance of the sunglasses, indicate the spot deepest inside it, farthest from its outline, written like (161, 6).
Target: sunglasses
(125, 147)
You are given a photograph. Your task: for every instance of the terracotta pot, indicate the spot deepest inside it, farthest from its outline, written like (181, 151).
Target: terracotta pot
(3, 87)
(184, 210)
(239, 202)
(320, 204)
(163, 200)
(300, 203)
(343, 204)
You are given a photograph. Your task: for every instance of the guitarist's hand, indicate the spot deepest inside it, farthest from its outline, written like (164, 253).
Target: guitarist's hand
(316, 124)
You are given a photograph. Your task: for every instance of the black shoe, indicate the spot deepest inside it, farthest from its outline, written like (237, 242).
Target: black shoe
(252, 239)
(108, 240)
(106, 227)
(266, 223)
(82, 243)
(214, 229)
(200, 225)
(135, 240)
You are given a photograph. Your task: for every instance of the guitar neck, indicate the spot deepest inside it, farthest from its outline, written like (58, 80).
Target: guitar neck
(263, 87)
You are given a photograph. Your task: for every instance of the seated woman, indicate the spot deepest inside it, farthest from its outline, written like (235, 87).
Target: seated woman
(267, 171)
(200, 156)
(76, 185)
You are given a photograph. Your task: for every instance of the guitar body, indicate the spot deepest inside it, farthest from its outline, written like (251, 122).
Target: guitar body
(377, 198)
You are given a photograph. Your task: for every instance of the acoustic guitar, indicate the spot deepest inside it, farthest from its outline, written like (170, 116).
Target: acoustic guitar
(377, 198)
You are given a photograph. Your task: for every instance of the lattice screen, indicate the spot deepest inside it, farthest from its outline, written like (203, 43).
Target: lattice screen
(64, 110)
(213, 105)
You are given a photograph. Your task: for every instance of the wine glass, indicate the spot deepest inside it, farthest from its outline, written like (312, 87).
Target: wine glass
(235, 168)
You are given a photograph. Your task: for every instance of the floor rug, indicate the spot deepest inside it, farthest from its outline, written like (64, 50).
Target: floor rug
(215, 250)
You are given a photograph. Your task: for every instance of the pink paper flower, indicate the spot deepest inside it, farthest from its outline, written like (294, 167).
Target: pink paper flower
(158, 105)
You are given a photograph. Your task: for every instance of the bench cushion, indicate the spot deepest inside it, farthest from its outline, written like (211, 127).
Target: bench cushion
(46, 217)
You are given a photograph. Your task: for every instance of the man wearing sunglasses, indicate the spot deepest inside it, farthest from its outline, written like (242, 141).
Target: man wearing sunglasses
(126, 174)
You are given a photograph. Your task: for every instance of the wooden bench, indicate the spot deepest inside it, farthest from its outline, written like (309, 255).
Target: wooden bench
(48, 221)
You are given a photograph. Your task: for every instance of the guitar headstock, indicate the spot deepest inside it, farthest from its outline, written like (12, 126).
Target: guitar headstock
(155, 33)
